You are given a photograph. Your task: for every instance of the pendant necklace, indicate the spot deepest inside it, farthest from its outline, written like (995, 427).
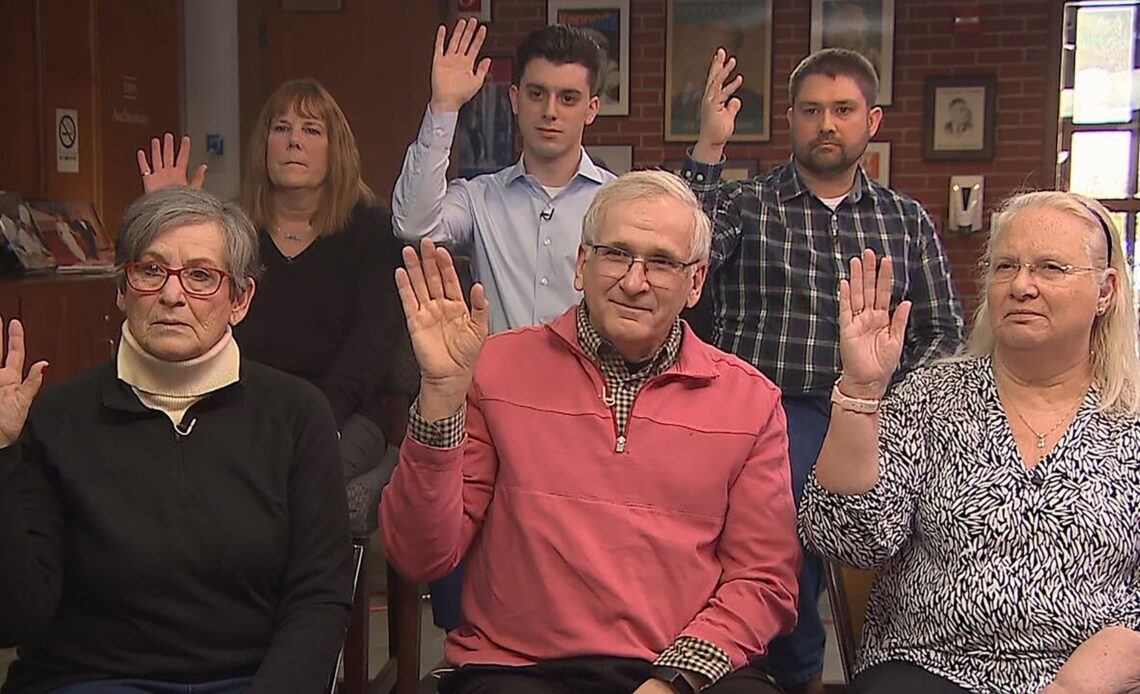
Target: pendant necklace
(1041, 437)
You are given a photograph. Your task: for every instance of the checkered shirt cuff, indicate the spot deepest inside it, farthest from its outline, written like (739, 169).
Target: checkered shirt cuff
(442, 433)
(700, 176)
(696, 655)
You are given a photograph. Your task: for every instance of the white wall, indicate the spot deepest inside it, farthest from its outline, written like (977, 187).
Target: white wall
(210, 41)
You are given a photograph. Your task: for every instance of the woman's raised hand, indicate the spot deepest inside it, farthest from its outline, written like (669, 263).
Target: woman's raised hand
(165, 169)
(870, 338)
(16, 390)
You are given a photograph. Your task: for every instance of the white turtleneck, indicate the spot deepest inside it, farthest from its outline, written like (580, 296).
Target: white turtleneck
(174, 386)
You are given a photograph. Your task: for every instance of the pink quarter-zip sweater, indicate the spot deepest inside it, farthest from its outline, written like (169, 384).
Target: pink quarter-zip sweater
(574, 548)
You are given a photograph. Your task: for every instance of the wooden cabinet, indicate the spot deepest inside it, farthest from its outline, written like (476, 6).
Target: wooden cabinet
(71, 321)
(117, 64)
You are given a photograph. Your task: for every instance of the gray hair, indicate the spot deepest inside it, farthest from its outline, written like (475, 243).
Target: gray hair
(179, 206)
(1113, 342)
(650, 184)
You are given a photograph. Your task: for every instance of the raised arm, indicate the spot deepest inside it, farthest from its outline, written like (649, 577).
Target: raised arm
(718, 109)
(870, 344)
(859, 500)
(423, 204)
(31, 524)
(165, 169)
(702, 169)
(441, 487)
(446, 337)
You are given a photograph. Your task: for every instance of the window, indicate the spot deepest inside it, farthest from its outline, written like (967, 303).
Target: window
(1100, 110)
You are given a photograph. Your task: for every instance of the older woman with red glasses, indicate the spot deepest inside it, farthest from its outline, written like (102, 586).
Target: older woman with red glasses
(175, 518)
(996, 495)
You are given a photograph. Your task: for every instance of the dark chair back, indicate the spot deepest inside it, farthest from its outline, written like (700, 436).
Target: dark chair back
(848, 591)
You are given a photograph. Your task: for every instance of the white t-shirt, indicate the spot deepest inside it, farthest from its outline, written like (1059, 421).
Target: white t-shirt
(833, 202)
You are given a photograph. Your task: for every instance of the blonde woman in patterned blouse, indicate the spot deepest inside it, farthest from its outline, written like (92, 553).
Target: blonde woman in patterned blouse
(996, 495)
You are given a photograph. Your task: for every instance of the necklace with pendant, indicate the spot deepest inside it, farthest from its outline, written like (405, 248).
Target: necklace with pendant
(1041, 437)
(289, 235)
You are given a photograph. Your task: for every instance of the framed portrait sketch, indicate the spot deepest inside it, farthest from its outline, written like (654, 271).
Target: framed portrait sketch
(617, 159)
(694, 29)
(960, 117)
(607, 22)
(486, 128)
(876, 162)
(864, 26)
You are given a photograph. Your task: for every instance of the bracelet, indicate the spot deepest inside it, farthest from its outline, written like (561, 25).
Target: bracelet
(846, 402)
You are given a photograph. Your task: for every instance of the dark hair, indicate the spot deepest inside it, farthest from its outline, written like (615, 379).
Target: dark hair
(834, 62)
(561, 45)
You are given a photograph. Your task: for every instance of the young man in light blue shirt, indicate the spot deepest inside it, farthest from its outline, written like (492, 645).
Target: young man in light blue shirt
(520, 225)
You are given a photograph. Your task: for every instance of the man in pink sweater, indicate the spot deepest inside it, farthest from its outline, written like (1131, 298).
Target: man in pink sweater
(619, 488)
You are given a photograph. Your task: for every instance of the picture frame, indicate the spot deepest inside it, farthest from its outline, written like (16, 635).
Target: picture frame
(485, 130)
(617, 159)
(607, 22)
(864, 26)
(74, 234)
(22, 248)
(960, 117)
(479, 9)
(733, 169)
(876, 161)
(694, 29)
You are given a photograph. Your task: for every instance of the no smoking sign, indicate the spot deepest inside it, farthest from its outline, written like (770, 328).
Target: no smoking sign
(66, 140)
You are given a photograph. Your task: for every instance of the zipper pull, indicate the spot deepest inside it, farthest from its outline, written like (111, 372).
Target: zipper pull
(621, 444)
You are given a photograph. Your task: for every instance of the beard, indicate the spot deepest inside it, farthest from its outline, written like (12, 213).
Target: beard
(824, 165)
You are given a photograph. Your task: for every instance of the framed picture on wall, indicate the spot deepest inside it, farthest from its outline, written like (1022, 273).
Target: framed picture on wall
(617, 159)
(479, 9)
(486, 128)
(607, 22)
(960, 117)
(694, 29)
(864, 26)
(733, 170)
(876, 162)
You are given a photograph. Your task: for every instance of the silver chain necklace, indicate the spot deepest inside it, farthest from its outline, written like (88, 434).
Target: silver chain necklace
(290, 235)
(1041, 437)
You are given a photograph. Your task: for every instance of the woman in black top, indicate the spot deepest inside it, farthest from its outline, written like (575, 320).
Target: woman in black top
(176, 516)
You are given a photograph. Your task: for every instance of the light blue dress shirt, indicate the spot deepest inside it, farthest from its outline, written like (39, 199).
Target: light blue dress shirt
(523, 243)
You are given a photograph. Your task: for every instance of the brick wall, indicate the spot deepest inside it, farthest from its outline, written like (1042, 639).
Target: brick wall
(1013, 45)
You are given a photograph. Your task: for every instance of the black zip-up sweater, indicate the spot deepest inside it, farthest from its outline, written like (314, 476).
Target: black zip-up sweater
(127, 550)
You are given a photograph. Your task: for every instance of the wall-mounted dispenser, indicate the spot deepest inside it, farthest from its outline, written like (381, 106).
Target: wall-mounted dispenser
(965, 211)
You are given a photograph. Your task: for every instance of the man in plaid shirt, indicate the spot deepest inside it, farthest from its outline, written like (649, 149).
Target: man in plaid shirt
(782, 242)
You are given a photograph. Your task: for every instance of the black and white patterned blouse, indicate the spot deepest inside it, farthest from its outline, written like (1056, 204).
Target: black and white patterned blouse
(988, 573)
